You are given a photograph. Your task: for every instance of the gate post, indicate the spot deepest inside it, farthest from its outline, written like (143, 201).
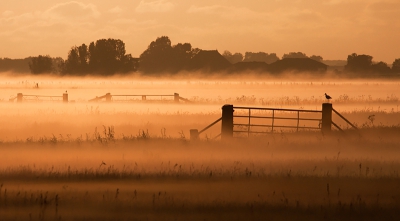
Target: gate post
(227, 122)
(326, 117)
(194, 134)
(19, 97)
(176, 97)
(108, 97)
(65, 97)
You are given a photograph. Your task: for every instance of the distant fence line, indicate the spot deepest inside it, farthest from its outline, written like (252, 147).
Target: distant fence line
(29, 97)
(108, 97)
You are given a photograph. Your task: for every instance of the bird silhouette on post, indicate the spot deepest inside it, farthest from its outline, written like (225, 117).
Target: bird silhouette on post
(328, 97)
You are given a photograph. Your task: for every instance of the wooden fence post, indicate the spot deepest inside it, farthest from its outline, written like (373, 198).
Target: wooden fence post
(227, 122)
(194, 134)
(108, 97)
(176, 97)
(326, 117)
(19, 97)
(65, 98)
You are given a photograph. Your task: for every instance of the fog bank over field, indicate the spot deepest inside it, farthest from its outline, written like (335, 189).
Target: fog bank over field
(132, 158)
(43, 116)
(273, 155)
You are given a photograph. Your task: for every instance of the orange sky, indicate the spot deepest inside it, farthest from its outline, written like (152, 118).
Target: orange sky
(330, 28)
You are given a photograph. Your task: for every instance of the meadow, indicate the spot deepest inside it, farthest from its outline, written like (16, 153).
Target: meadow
(134, 160)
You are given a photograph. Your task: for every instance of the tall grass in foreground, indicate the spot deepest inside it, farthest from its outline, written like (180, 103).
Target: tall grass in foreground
(370, 152)
(302, 176)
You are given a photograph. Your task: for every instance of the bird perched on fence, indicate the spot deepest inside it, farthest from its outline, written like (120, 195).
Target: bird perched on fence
(328, 97)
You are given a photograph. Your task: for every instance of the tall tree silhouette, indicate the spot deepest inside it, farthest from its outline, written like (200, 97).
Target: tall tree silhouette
(41, 64)
(316, 58)
(83, 57)
(396, 66)
(233, 58)
(77, 61)
(294, 55)
(157, 55)
(15, 65)
(381, 68)
(181, 55)
(260, 57)
(358, 63)
(105, 57)
(161, 56)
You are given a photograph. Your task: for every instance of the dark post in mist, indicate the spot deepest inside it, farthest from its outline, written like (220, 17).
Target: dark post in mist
(326, 117)
(227, 122)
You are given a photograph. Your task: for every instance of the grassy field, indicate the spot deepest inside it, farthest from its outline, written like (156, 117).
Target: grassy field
(134, 161)
(304, 176)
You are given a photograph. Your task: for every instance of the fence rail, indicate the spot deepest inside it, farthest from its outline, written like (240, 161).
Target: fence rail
(142, 97)
(341, 116)
(270, 113)
(30, 97)
(136, 97)
(277, 109)
(107, 97)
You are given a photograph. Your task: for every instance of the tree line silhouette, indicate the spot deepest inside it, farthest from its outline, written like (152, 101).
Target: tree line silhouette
(108, 56)
(363, 64)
